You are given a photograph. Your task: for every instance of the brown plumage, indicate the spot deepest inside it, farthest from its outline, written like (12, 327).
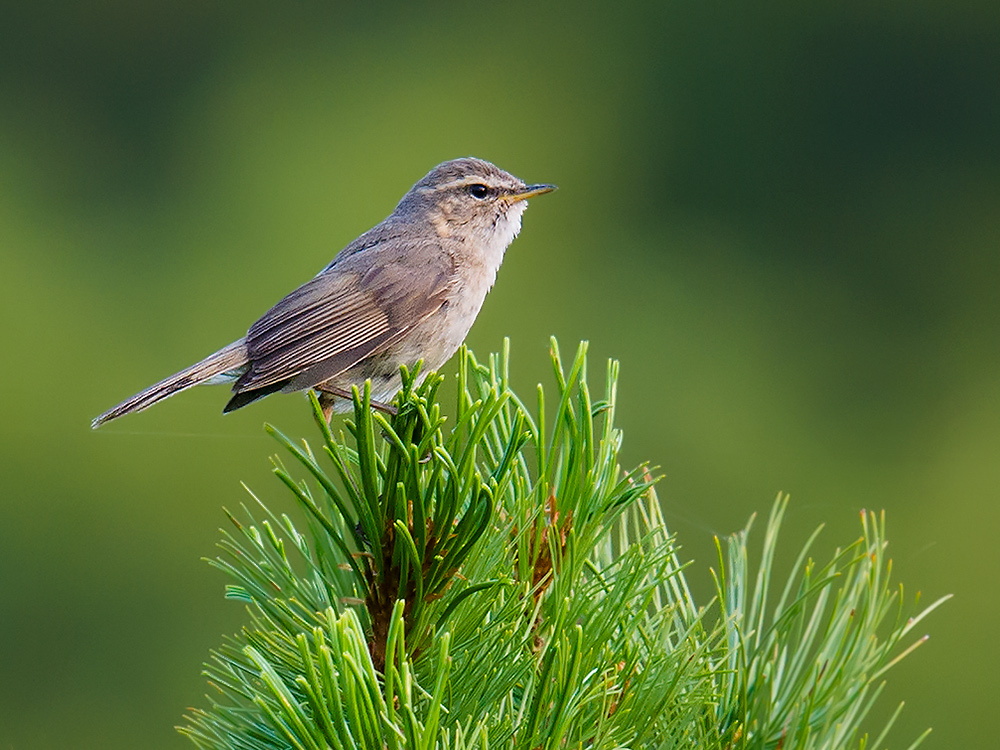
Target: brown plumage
(407, 290)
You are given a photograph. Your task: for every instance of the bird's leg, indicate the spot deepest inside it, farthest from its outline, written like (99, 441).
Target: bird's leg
(383, 407)
(327, 403)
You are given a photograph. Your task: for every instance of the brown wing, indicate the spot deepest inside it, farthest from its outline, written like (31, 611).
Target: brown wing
(354, 308)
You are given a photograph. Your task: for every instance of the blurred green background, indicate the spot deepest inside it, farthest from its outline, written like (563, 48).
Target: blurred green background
(783, 221)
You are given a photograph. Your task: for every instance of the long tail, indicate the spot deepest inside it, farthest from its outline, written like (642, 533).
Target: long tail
(227, 359)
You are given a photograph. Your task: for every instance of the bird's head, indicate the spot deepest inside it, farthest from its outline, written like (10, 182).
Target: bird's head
(472, 201)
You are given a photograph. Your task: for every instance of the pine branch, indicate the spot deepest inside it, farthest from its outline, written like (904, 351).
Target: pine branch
(504, 583)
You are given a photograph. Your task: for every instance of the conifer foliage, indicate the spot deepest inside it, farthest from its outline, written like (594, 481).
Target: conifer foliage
(493, 578)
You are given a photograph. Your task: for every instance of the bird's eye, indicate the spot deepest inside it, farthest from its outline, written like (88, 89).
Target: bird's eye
(478, 191)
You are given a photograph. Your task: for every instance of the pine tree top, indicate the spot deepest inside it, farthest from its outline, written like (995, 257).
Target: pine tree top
(495, 579)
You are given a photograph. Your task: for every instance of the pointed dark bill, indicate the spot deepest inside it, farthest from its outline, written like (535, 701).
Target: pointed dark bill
(530, 192)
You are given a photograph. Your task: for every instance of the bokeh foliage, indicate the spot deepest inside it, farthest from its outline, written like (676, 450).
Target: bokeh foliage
(782, 220)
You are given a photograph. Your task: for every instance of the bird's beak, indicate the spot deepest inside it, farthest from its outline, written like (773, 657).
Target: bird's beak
(530, 192)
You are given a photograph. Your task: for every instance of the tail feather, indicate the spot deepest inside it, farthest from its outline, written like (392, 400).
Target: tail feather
(225, 360)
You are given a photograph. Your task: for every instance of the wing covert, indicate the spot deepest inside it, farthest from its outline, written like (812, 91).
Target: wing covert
(352, 309)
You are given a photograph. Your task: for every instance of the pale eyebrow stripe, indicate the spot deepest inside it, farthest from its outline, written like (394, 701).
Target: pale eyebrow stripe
(460, 182)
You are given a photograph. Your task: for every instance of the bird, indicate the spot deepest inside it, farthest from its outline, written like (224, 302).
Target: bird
(406, 291)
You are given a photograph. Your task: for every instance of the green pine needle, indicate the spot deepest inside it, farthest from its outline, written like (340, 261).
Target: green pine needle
(504, 583)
